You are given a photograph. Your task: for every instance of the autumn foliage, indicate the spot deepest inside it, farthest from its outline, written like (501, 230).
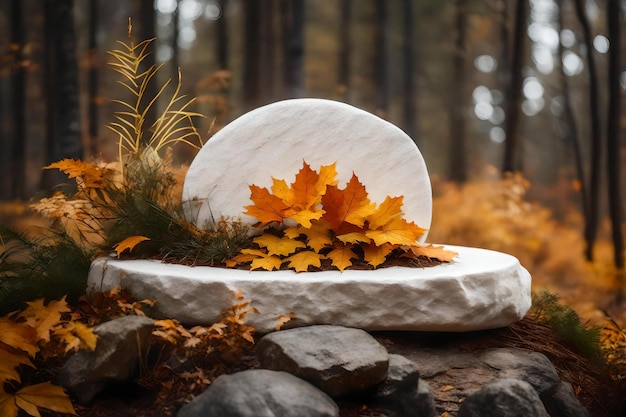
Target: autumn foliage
(318, 221)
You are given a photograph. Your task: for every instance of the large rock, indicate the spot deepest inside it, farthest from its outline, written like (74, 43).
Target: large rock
(338, 360)
(272, 141)
(260, 393)
(563, 403)
(480, 289)
(121, 342)
(504, 398)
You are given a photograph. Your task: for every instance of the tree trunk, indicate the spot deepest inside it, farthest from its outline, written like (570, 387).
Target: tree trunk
(222, 36)
(267, 52)
(568, 122)
(292, 12)
(380, 60)
(63, 118)
(458, 106)
(92, 79)
(343, 79)
(613, 132)
(409, 44)
(175, 61)
(511, 160)
(591, 222)
(17, 160)
(252, 52)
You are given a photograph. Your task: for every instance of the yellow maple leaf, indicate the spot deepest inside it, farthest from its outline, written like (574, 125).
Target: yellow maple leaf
(129, 243)
(9, 362)
(342, 256)
(19, 336)
(433, 252)
(267, 208)
(354, 237)
(44, 318)
(317, 236)
(327, 176)
(376, 255)
(85, 333)
(44, 395)
(302, 260)
(278, 245)
(386, 212)
(397, 232)
(268, 263)
(8, 408)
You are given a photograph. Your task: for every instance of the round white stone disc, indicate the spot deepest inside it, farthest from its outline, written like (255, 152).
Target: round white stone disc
(274, 140)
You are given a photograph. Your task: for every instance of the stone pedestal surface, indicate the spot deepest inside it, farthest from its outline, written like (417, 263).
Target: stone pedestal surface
(480, 289)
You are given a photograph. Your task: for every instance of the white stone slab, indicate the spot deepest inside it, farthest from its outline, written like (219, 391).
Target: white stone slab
(481, 289)
(274, 140)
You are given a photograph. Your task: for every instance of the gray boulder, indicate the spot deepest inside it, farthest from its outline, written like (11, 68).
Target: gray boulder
(403, 393)
(336, 359)
(532, 367)
(504, 398)
(121, 342)
(260, 393)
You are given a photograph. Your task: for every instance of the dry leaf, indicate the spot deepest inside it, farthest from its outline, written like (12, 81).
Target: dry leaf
(129, 243)
(44, 395)
(285, 318)
(302, 260)
(342, 256)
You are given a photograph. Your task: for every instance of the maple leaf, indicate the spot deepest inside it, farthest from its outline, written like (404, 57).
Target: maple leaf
(341, 256)
(19, 336)
(86, 335)
(92, 176)
(433, 252)
(327, 176)
(398, 232)
(44, 395)
(8, 408)
(283, 319)
(267, 208)
(302, 260)
(354, 237)
(259, 259)
(44, 318)
(376, 255)
(129, 243)
(9, 362)
(317, 235)
(386, 212)
(278, 245)
(350, 204)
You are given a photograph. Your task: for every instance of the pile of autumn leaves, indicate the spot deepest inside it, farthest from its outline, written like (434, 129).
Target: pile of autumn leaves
(317, 221)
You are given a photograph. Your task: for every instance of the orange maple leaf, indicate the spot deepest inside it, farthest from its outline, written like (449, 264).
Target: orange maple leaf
(350, 204)
(129, 243)
(433, 252)
(267, 208)
(92, 176)
(398, 232)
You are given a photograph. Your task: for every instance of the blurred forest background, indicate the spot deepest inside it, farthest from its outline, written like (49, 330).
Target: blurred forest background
(484, 87)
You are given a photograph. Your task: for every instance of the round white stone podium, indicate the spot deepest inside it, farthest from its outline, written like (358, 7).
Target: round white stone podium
(480, 289)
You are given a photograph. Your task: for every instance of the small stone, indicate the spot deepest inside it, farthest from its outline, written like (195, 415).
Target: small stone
(120, 344)
(260, 393)
(563, 403)
(336, 359)
(504, 398)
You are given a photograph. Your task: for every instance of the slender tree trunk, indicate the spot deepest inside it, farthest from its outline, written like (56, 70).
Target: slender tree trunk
(63, 132)
(292, 12)
(18, 94)
(222, 36)
(92, 79)
(381, 60)
(568, 122)
(458, 107)
(613, 132)
(252, 53)
(409, 44)
(267, 51)
(343, 85)
(175, 61)
(591, 222)
(511, 160)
